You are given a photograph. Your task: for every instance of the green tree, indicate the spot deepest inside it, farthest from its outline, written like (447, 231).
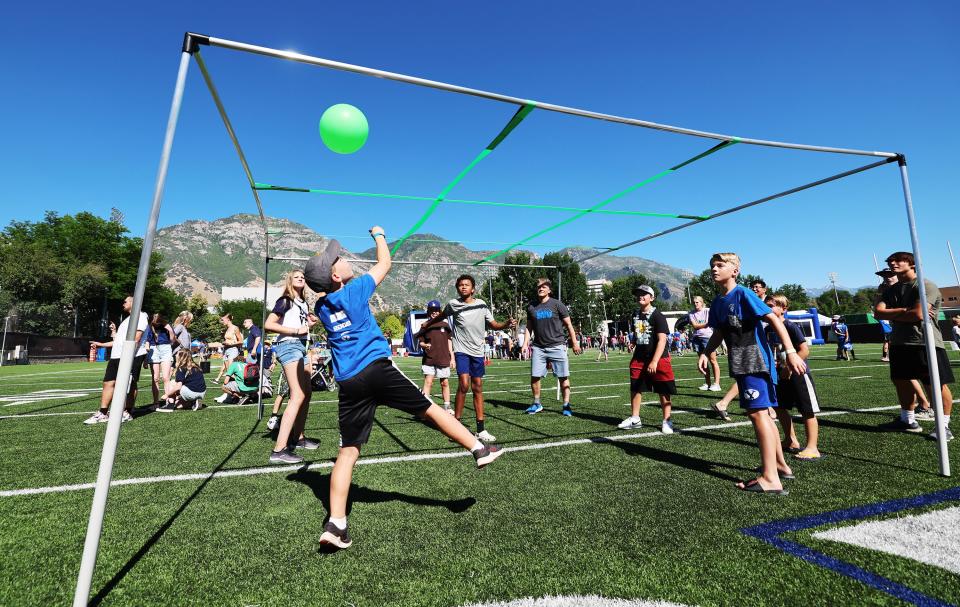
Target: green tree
(618, 296)
(796, 294)
(207, 327)
(242, 308)
(392, 327)
(515, 288)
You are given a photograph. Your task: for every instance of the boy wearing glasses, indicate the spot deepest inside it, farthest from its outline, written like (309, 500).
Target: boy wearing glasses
(546, 319)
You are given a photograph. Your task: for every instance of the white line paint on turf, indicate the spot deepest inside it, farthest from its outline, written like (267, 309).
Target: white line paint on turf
(860, 377)
(576, 601)
(603, 397)
(383, 460)
(930, 538)
(43, 395)
(22, 375)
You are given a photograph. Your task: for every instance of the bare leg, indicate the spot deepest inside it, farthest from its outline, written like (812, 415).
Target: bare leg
(786, 422)
(812, 428)
(445, 390)
(427, 385)
(731, 394)
(288, 421)
(450, 426)
(565, 387)
(301, 419)
(535, 388)
(476, 384)
(107, 395)
(716, 368)
(340, 480)
(666, 405)
(635, 399)
(462, 387)
(768, 440)
(155, 381)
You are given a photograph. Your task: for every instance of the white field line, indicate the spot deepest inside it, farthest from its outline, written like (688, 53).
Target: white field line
(860, 377)
(603, 397)
(383, 460)
(20, 375)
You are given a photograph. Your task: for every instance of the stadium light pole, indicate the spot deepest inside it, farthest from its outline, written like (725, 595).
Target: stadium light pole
(105, 472)
(929, 325)
(833, 281)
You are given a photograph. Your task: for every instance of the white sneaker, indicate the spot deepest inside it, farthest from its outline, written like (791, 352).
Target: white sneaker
(704, 387)
(666, 427)
(97, 418)
(448, 409)
(485, 437)
(715, 388)
(273, 422)
(222, 398)
(630, 423)
(126, 417)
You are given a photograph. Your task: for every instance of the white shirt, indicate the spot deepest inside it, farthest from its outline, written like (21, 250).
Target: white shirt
(121, 336)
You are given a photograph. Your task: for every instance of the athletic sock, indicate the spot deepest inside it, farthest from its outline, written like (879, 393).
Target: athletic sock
(341, 523)
(946, 420)
(904, 417)
(478, 446)
(911, 417)
(479, 426)
(105, 411)
(536, 401)
(446, 405)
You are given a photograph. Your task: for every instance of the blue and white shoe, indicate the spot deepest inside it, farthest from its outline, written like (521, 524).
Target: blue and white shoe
(567, 410)
(534, 408)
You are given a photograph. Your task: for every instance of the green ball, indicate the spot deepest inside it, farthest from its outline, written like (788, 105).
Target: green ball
(344, 128)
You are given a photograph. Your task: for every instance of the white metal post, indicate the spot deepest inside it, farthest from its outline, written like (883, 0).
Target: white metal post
(929, 325)
(3, 348)
(104, 474)
(953, 260)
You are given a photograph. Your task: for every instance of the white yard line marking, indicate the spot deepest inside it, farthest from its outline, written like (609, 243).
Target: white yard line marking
(860, 377)
(603, 397)
(22, 375)
(383, 460)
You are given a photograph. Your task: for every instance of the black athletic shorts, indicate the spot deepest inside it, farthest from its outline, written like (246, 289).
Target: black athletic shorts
(798, 392)
(113, 366)
(910, 362)
(379, 383)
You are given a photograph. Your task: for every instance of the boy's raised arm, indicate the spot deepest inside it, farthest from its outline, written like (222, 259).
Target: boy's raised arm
(380, 269)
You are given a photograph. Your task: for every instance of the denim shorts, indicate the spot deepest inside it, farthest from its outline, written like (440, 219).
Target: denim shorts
(230, 353)
(289, 350)
(555, 355)
(161, 353)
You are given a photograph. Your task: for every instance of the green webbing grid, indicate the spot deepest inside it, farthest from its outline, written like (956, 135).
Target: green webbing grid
(517, 118)
(616, 196)
(518, 205)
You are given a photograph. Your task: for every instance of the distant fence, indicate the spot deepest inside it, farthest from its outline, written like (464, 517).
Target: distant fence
(41, 349)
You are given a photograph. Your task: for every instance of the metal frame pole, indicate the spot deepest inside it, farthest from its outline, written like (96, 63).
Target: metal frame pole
(928, 325)
(954, 262)
(3, 348)
(263, 333)
(95, 524)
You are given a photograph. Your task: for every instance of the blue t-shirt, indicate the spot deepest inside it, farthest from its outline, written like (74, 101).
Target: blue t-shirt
(353, 334)
(737, 316)
(885, 327)
(252, 338)
(843, 334)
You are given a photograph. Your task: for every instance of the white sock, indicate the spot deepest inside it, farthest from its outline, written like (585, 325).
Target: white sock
(904, 417)
(911, 417)
(946, 420)
(446, 405)
(477, 446)
(341, 522)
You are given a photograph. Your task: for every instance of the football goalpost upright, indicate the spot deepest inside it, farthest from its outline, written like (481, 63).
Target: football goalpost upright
(191, 48)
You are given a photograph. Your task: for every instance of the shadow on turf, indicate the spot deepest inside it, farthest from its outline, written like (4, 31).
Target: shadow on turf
(319, 483)
(668, 457)
(132, 562)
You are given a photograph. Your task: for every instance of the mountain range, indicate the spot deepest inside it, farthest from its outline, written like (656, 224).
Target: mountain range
(205, 256)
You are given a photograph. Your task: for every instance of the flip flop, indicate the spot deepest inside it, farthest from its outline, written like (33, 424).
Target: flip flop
(754, 486)
(721, 412)
(787, 476)
(807, 458)
(792, 450)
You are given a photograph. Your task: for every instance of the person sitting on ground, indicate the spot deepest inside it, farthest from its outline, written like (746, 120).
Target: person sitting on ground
(650, 368)
(365, 373)
(234, 387)
(794, 390)
(188, 387)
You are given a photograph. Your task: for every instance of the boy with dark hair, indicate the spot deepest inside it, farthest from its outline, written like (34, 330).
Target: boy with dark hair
(365, 373)
(437, 355)
(736, 316)
(546, 319)
(901, 305)
(650, 368)
(471, 318)
(794, 390)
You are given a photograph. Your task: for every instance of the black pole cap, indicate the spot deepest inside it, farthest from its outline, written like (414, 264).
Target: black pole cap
(902, 160)
(192, 42)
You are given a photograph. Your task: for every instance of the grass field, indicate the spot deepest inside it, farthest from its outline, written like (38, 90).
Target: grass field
(575, 507)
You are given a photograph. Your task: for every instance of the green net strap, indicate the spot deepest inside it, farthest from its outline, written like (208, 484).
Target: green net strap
(607, 201)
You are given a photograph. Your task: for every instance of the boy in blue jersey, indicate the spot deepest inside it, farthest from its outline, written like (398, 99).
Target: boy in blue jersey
(735, 316)
(365, 373)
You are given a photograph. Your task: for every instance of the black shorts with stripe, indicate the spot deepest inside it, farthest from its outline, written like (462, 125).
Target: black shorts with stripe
(798, 392)
(380, 383)
(910, 362)
(113, 368)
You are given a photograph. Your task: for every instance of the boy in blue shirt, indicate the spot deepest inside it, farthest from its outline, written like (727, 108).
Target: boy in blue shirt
(365, 373)
(735, 316)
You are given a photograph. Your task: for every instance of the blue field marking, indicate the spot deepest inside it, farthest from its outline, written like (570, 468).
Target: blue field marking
(771, 532)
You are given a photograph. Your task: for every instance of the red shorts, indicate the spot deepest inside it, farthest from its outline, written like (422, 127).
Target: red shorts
(664, 370)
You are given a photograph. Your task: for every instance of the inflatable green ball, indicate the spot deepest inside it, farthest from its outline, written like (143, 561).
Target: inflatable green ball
(344, 128)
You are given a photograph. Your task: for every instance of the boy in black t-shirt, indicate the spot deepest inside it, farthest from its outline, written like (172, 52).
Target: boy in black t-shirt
(794, 390)
(650, 368)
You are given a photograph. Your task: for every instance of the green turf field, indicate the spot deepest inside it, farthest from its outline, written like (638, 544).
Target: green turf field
(575, 507)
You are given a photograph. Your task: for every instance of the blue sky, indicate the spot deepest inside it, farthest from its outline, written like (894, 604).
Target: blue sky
(88, 87)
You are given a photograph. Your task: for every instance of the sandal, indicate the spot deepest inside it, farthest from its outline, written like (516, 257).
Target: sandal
(787, 476)
(754, 486)
(806, 458)
(722, 413)
(793, 450)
